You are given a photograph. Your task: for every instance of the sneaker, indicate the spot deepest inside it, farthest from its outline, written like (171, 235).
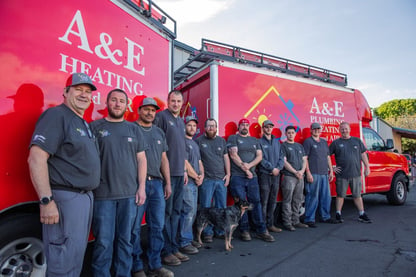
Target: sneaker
(171, 260)
(181, 257)
(207, 239)
(311, 224)
(160, 272)
(139, 273)
(330, 221)
(245, 236)
(301, 225)
(274, 229)
(189, 249)
(364, 218)
(289, 228)
(339, 218)
(266, 237)
(196, 244)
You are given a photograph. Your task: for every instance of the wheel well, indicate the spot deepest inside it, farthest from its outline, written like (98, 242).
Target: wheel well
(26, 208)
(404, 175)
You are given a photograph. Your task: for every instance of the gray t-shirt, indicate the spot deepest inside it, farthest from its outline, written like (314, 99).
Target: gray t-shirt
(174, 129)
(348, 156)
(193, 155)
(212, 156)
(74, 160)
(317, 152)
(247, 151)
(156, 144)
(119, 144)
(294, 154)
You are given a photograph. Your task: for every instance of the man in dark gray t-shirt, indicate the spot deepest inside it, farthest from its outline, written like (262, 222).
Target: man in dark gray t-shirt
(349, 152)
(245, 154)
(190, 192)
(156, 193)
(214, 157)
(172, 124)
(123, 164)
(64, 166)
(292, 181)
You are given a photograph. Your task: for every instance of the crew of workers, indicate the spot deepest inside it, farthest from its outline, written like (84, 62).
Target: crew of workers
(109, 174)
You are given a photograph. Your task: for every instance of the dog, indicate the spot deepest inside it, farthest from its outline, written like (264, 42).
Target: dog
(224, 218)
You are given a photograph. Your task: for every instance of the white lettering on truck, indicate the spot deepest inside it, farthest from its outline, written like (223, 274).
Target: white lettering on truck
(103, 50)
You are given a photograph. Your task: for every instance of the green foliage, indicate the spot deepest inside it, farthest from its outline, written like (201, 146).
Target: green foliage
(396, 108)
(400, 113)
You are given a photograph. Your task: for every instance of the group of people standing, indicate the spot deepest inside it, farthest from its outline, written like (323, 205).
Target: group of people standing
(111, 173)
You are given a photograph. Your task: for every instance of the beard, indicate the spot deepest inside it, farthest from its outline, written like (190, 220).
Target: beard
(210, 134)
(244, 132)
(114, 115)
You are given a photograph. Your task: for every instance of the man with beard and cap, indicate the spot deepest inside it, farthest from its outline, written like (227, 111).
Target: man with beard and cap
(158, 189)
(64, 165)
(269, 174)
(123, 164)
(214, 157)
(190, 192)
(245, 154)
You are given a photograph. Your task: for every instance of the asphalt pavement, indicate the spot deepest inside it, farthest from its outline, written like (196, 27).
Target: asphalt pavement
(386, 247)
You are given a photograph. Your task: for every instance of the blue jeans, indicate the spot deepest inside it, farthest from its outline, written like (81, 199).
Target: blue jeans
(190, 202)
(318, 197)
(155, 220)
(112, 224)
(172, 216)
(245, 188)
(212, 192)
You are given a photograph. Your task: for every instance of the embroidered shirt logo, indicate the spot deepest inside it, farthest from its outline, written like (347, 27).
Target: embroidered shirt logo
(39, 138)
(81, 132)
(104, 133)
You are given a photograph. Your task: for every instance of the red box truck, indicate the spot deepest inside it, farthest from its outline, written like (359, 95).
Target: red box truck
(227, 83)
(123, 44)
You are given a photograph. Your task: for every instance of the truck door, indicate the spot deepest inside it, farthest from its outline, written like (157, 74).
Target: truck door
(381, 165)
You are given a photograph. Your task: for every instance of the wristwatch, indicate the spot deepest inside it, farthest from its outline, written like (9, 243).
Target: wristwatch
(45, 200)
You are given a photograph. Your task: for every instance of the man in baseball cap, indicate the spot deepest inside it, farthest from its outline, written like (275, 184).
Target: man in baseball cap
(149, 101)
(78, 79)
(245, 153)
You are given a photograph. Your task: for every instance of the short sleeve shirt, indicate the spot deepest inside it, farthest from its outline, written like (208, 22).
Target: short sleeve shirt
(174, 129)
(348, 156)
(155, 141)
(317, 152)
(247, 151)
(193, 155)
(294, 154)
(74, 158)
(119, 144)
(212, 156)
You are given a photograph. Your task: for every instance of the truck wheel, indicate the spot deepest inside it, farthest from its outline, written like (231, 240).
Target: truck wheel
(398, 191)
(21, 247)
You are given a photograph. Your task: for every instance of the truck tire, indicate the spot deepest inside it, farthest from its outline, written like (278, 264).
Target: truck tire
(398, 191)
(21, 247)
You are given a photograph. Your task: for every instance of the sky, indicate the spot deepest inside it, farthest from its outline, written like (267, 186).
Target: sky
(372, 41)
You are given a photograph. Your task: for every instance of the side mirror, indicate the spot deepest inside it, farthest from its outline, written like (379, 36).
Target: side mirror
(389, 144)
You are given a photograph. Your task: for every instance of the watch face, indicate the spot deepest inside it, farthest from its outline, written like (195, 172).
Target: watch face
(45, 200)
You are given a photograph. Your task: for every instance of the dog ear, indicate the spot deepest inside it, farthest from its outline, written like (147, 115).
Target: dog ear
(236, 199)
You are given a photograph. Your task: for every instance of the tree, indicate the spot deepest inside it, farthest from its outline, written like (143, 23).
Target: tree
(400, 113)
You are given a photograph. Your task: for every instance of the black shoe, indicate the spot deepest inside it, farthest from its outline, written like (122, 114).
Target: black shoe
(364, 218)
(339, 218)
(311, 224)
(330, 221)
